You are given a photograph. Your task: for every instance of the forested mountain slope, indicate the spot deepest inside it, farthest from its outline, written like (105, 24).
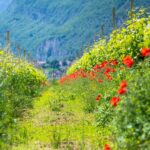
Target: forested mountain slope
(54, 28)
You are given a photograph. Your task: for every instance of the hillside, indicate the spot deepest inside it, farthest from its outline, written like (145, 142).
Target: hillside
(59, 29)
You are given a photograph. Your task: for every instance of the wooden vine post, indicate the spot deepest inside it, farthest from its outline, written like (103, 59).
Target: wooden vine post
(102, 31)
(29, 55)
(19, 52)
(7, 41)
(132, 8)
(94, 37)
(24, 54)
(114, 17)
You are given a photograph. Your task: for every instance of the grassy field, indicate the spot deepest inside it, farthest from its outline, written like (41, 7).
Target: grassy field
(52, 124)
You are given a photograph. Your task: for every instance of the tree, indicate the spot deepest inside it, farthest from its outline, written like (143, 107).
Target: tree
(54, 64)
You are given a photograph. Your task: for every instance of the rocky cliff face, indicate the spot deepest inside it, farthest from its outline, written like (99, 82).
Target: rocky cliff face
(48, 48)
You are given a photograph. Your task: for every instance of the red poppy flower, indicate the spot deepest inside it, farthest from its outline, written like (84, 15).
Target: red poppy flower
(96, 68)
(92, 75)
(107, 147)
(80, 73)
(114, 101)
(63, 79)
(128, 61)
(107, 70)
(83, 75)
(123, 84)
(122, 91)
(145, 52)
(73, 76)
(108, 76)
(100, 80)
(104, 64)
(113, 70)
(98, 97)
(114, 62)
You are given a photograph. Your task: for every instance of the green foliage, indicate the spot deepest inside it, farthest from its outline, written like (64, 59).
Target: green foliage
(133, 119)
(19, 82)
(56, 138)
(55, 105)
(125, 126)
(127, 40)
(70, 128)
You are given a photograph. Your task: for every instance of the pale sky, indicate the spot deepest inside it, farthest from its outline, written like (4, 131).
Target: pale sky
(4, 4)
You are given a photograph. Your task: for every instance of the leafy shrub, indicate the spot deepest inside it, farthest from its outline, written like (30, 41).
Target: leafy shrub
(55, 105)
(133, 119)
(19, 82)
(121, 111)
(127, 40)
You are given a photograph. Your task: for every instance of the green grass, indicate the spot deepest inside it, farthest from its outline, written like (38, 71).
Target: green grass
(71, 123)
